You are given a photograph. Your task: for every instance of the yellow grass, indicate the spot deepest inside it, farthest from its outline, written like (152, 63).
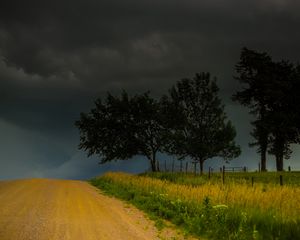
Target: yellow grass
(284, 201)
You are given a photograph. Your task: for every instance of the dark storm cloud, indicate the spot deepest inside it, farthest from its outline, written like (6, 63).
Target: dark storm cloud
(140, 41)
(57, 56)
(57, 36)
(48, 37)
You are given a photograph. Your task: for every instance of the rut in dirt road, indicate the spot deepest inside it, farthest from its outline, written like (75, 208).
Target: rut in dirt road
(46, 209)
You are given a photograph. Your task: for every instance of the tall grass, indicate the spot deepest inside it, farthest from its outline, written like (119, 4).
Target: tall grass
(230, 211)
(269, 178)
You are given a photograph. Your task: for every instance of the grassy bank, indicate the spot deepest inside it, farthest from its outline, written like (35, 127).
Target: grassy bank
(230, 211)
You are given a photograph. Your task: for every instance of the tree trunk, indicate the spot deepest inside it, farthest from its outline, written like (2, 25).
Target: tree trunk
(154, 166)
(263, 159)
(263, 135)
(279, 162)
(201, 161)
(279, 149)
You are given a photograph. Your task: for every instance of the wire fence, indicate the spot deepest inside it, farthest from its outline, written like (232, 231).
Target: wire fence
(240, 174)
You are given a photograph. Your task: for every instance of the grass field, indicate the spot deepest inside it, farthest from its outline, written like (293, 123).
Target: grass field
(269, 178)
(209, 208)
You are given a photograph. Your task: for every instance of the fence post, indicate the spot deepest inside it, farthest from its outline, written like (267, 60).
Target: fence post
(223, 175)
(252, 181)
(258, 167)
(158, 166)
(209, 173)
(281, 180)
(289, 168)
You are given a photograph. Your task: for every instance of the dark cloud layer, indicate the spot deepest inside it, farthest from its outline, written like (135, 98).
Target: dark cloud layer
(56, 57)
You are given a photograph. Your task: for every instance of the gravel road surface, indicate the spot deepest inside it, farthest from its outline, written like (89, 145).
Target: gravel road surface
(49, 209)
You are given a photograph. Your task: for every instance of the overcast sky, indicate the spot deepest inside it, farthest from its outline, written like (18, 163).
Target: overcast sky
(56, 57)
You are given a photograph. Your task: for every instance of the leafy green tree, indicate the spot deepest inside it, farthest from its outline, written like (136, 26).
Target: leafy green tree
(175, 122)
(151, 131)
(255, 72)
(199, 126)
(283, 115)
(121, 127)
(270, 90)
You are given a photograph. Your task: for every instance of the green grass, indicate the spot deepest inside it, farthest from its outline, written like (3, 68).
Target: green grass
(199, 218)
(270, 178)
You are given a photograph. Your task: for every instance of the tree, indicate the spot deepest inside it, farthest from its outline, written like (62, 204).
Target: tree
(175, 122)
(199, 128)
(283, 111)
(271, 92)
(255, 71)
(120, 128)
(151, 131)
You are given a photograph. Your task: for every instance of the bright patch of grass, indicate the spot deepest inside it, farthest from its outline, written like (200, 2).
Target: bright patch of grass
(231, 211)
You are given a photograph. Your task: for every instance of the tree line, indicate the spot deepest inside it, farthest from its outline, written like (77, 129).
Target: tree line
(190, 122)
(271, 90)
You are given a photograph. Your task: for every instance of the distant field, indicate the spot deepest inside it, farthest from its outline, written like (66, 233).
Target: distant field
(270, 178)
(209, 208)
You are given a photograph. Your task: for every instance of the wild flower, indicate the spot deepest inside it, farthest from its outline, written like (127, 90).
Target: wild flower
(220, 206)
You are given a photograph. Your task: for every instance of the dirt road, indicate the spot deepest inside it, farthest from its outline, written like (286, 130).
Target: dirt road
(46, 209)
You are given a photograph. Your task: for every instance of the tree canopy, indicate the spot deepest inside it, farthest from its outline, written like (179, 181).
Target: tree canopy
(200, 128)
(121, 127)
(271, 91)
(189, 122)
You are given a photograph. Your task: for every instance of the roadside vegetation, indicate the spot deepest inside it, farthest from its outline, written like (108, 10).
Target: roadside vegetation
(211, 209)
